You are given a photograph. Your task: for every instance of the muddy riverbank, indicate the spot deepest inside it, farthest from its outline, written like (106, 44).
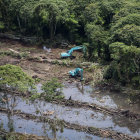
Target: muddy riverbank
(77, 115)
(91, 130)
(86, 112)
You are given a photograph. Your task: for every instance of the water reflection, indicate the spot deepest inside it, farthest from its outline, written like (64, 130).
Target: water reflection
(8, 102)
(73, 115)
(43, 129)
(103, 98)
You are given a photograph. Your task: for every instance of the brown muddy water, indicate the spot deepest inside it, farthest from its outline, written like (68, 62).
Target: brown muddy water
(79, 116)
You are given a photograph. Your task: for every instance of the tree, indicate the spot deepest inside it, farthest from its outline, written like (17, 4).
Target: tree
(51, 13)
(4, 13)
(91, 14)
(129, 34)
(125, 66)
(108, 9)
(14, 8)
(14, 77)
(97, 37)
(130, 19)
(129, 8)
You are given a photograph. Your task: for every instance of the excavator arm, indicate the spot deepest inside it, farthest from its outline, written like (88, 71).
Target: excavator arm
(69, 53)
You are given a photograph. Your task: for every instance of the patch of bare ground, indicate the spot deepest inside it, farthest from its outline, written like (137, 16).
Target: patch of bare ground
(45, 71)
(38, 63)
(8, 60)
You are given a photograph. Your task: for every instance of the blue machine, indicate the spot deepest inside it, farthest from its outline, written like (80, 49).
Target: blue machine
(76, 72)
(69, 53)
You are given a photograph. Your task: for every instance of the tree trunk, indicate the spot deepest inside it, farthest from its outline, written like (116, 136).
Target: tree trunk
(19, 23)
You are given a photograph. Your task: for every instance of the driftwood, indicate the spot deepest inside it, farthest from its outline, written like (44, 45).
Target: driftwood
(14, 51)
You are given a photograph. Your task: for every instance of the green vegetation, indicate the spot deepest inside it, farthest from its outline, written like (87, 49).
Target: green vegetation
(51, 90)
(125, 65)
(17, 136)
(14, 77)
(109, 28)
(16, 55)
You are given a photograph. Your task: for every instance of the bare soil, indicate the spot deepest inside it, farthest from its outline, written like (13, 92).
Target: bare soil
(38, 65)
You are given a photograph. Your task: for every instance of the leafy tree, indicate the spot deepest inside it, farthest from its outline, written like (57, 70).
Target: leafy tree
(14, 8)
(51, 13)
(92, 14)
(97, 37)
(4, 12)
(130, 19)
(125, 66)
(14, 77)
(71, 28)
(129, 8)
(51, 90)
(108, 8)
(129, 34)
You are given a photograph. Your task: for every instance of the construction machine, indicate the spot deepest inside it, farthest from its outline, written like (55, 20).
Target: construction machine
(77, 72)
(68, 54)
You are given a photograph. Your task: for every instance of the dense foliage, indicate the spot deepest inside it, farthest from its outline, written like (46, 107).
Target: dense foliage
(110, 28)
(14, 77)
(125, 66)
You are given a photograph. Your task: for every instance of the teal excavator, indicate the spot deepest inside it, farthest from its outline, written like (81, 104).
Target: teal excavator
(68, 54)
(77, 72)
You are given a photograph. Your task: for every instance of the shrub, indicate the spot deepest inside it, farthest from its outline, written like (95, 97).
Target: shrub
(52, 90)
(14, 77)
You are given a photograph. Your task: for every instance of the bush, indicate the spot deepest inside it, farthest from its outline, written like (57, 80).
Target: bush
(52, 90)
(14, 77)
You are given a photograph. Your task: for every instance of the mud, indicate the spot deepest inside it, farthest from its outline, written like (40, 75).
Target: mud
(18, 136)
(42, 64)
